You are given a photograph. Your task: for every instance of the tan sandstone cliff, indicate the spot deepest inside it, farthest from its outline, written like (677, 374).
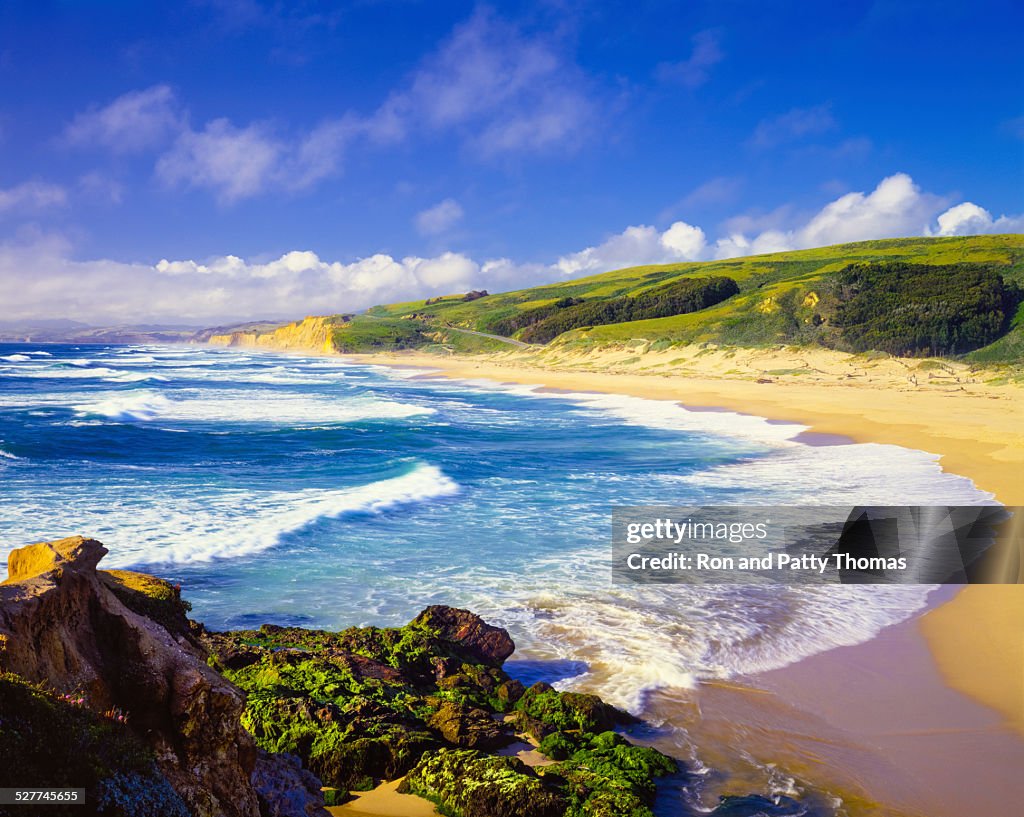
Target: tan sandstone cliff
(312, 334)
(120, 642)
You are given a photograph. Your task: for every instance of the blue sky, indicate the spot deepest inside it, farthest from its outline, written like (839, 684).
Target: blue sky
(236, 158)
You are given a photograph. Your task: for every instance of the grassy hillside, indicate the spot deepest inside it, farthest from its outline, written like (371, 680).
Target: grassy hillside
(791, 297)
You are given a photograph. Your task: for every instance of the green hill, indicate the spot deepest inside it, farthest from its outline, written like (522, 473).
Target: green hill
(953, 296)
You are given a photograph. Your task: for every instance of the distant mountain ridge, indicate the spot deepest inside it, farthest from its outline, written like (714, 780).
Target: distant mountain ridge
(61, 330)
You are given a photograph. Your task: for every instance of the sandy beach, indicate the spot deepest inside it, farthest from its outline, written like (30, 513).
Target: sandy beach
(973, 421)
(896, 714)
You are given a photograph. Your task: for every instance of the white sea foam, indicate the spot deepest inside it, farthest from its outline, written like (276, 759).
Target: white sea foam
(7, 455)
(639, 639)
(16, 358)
(670, 415)
(240, 523)
(57, 373)
(134, 377)
(861, 474)
(142, 406)
(225, 406)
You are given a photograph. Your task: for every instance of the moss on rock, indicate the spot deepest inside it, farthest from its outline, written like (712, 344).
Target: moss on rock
(570, 710)
(469, 783)
(150, 597)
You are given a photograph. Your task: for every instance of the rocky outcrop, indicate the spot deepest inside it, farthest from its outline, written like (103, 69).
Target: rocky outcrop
(481, 641)
(63, 626)
(430, 700)
(313, 335)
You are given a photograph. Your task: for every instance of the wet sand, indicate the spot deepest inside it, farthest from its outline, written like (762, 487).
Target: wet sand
(877, 721)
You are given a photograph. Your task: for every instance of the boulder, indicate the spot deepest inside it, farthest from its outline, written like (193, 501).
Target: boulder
(74, 553)
(468, 727)
(570, 710)
(473, 784)
(483, 642)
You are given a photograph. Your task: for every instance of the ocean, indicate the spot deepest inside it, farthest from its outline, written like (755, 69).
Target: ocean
(320, 492)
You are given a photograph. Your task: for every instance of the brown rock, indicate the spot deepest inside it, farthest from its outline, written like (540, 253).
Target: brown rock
(74, 553)
(485, 643)
(468, 727)
(63, 626)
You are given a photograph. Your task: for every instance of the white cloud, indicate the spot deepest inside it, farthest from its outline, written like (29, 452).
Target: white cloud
(234, 162)
(237, 163)
(635, 246)
(440, 218)
(695, 69)
(134, 121)
(39, 278)
(499, 89)
(896, 207)
(793, 125)
(32, 196)
(970, 219)
(502, 89)
(684, 241)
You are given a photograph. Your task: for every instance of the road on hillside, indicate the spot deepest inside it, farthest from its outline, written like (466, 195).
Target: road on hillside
(501, 338)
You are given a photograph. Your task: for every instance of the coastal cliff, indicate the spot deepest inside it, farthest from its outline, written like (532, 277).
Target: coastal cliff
(314, 334)
(105, 686)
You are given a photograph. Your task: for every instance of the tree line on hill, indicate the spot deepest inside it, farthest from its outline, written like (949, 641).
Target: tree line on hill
(544, 323)
(919, 309)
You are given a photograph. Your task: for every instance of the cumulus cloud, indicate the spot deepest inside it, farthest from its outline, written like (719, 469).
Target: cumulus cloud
(695, 69)
(896, 207)
(635, 246)
(793, 125)
(440, 218)
(39, 278)
(970, 219)
(134, 121)
(31, 196)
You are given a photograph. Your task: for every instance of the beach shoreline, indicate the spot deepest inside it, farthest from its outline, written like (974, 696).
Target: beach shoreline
(975, 427)
(977, 431)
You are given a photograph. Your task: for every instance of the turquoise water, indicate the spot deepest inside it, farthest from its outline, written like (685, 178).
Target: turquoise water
(317, 492)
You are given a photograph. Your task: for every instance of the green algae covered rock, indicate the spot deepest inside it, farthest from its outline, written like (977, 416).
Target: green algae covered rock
(151, 597)
(469, 783)
(365, 703)
(430, 701)
(570, 710)
(607, 776)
